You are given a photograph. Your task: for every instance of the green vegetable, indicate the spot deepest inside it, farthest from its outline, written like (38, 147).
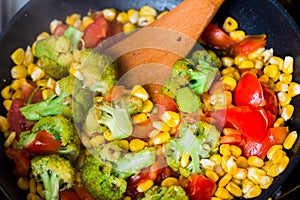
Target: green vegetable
(165, 193)
(187, 100)
(98, 179)
(55, 172)
(196, 140)
(74, 35)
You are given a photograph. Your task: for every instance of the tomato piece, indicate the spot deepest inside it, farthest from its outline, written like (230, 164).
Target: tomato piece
(28, 90)
(82, 192)
(270, 99)
(252, 122)
(165, 103)
(249, 91)
(278, 134)
(68, 194)
(249, 44)
(43, 143)
(214, 37)
(21, 160)
(199, 187)
(60, 30)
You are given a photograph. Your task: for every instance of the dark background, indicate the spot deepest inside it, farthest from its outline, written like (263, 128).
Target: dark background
(289, 189)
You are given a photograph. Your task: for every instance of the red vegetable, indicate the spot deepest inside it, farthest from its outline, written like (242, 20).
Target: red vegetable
(21, 159)
(60, 30)
(43, 143)
(249, 91)
(199, 187)
(249, 44)
(28, 90)
(165, 103)
(82, 192)
(68, 194)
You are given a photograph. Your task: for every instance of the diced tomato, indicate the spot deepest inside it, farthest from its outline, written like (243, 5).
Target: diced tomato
(252, 122)
(28, 90)
(199, 187)
(270, 99)
(214, 37)
(115, 93)
(60, 30)
(82, 192)
(68, 194)
(44, 143)
(21, 160)
(249, 44)
(278, 134)
(165, 103)
(249, 91)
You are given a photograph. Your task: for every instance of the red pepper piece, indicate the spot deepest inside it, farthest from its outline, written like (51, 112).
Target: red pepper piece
(21, 159)
(249, 44)
(199, 187)
(82, 192)
(271, 100)
(68, 194)
(43, 143)
(28, 90)
(249, 91)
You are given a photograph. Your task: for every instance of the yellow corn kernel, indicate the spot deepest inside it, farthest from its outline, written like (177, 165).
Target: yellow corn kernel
(86, 20)
(28, 58)
(227, 70)
(225, 180)
(216, 158)
(127, 198)
(219, 170)
(283, 163)
(247, 185)
(17, 95)
(288, 65)
(145, 20)
(265, 182)
(16, 84)
(242, 162)
(258, 64)
(237, 35)
(124, 144)
(6, 92)
(18, 71)
(286, 78)
(72, 19)
(246, 64)
(185, 159)
(255, 173)
(169, 181)
(37, 74)
(159, 125)
(289, 140)
(140, 92)
(97, 140)
(255, 161)
(4, 125)
(148, 11)
(7, 104)
(271, 71)
(266, 55)
(277, 61)
(287, 112)
(122, 17)
(139, 118)
(42, 83)
(271, 152)
(238, 59)
(294, 89)
(241, 174)
(23, 183)
(107, 135)
(230, 83)
(147, 106)
(18, 56)
(133, 15)
(254, 191)
(284, 98)
(207, 163)
(161, 14)
(51, 83)
(235, 151)
(273, 170)
(227, 61)
(223, 193)
(253, 55)
(263, 79)
(230, 24)
(225, 150)
(171, 118)
(128, 27)
(281, 87)
(160, 138)
(278, 122)
(229, 165)
(136, 145)
(9, 140)
(111, 13)
(47, 93)
(234, 189)
(142, 187)
(212, 175)
(216, 198)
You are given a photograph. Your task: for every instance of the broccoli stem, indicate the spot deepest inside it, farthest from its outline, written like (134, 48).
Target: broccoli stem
(51, 185)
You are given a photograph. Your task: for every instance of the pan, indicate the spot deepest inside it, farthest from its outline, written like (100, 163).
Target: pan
(254, 17)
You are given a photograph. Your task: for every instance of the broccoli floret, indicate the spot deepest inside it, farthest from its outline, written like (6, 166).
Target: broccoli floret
(56, 173)
(165, 193)
(181, 65)
(187, 100)
(116, 118)
(196, 140)
(206, 58)
(134, 105)
(74, 35)
(98, 179)
(172, 84)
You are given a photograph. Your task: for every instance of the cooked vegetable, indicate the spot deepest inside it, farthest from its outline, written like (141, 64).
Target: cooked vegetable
(164, 193)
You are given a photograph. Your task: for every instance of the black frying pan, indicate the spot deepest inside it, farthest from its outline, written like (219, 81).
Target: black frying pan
(254, 16)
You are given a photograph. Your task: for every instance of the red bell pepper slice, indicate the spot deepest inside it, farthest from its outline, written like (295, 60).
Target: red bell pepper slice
(21, 160)
(249, 91)
(43, 143)
(249, 44)
(252, 122)
(199, 187)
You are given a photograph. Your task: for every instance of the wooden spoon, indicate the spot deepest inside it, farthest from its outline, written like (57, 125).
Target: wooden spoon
(168, 38)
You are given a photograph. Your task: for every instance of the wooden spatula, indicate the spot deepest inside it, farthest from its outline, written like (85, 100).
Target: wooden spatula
(168, 38)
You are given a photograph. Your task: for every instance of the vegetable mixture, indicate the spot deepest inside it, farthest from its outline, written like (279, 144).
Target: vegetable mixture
(74, 133)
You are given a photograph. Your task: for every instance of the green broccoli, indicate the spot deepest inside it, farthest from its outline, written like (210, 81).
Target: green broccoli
(180, 66)
(165, 193)
(116, 118)
(206, 58)
(98, 179)
(56, 173)
(196, 140)
(187, 100)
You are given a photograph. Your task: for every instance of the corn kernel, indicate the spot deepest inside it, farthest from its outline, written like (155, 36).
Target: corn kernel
(160, 138)
(230, 25)
(97, 140)
(128, 27)
(51, 83)
(254, 191)
(284, 98)
(271, 71)
(107, 135)
(7, 104)
(255, 161)
(171, 118)
(161, 126)
(4, 125)
(288, 65)
(281, 87)
(237, 35)
(241, 174)
(142, 187)
(255, 173)
(161, 14)
(53, 24)
(139, 118)
(247, 185)
(287, 112)
(286, 78)
(147, 106)
(242, 162)
(111, 13)
(246, 64)
(212, 175)
(122, 17)
(294, 89)
(290, 140)
(145, 20)
(72, 19)
(140, 92)
(185, 159)
(283, 164)
(133, 15)
(17, 95)
(235, 151)
(229, 165)
(227, 61)
(253, 55)
(23, 183)
(43, 35)
(37, 74)
(169, 181)
(148, 11)
(225, 150)
(230, 83)
(271, 152)
(136, 145)
(207, 163)
(278, 122)
(87, 21)
(265, 182)
(223, 193)
(266, 55)
(9, 140)
(47, 93)
(277, 61)
(219, 170)
(124, 144)
(216, 158)
(28, 58)
(258, 64)
(19, 71)
(6, 92)
(238, 59)
(234, 189)
(18, 56)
